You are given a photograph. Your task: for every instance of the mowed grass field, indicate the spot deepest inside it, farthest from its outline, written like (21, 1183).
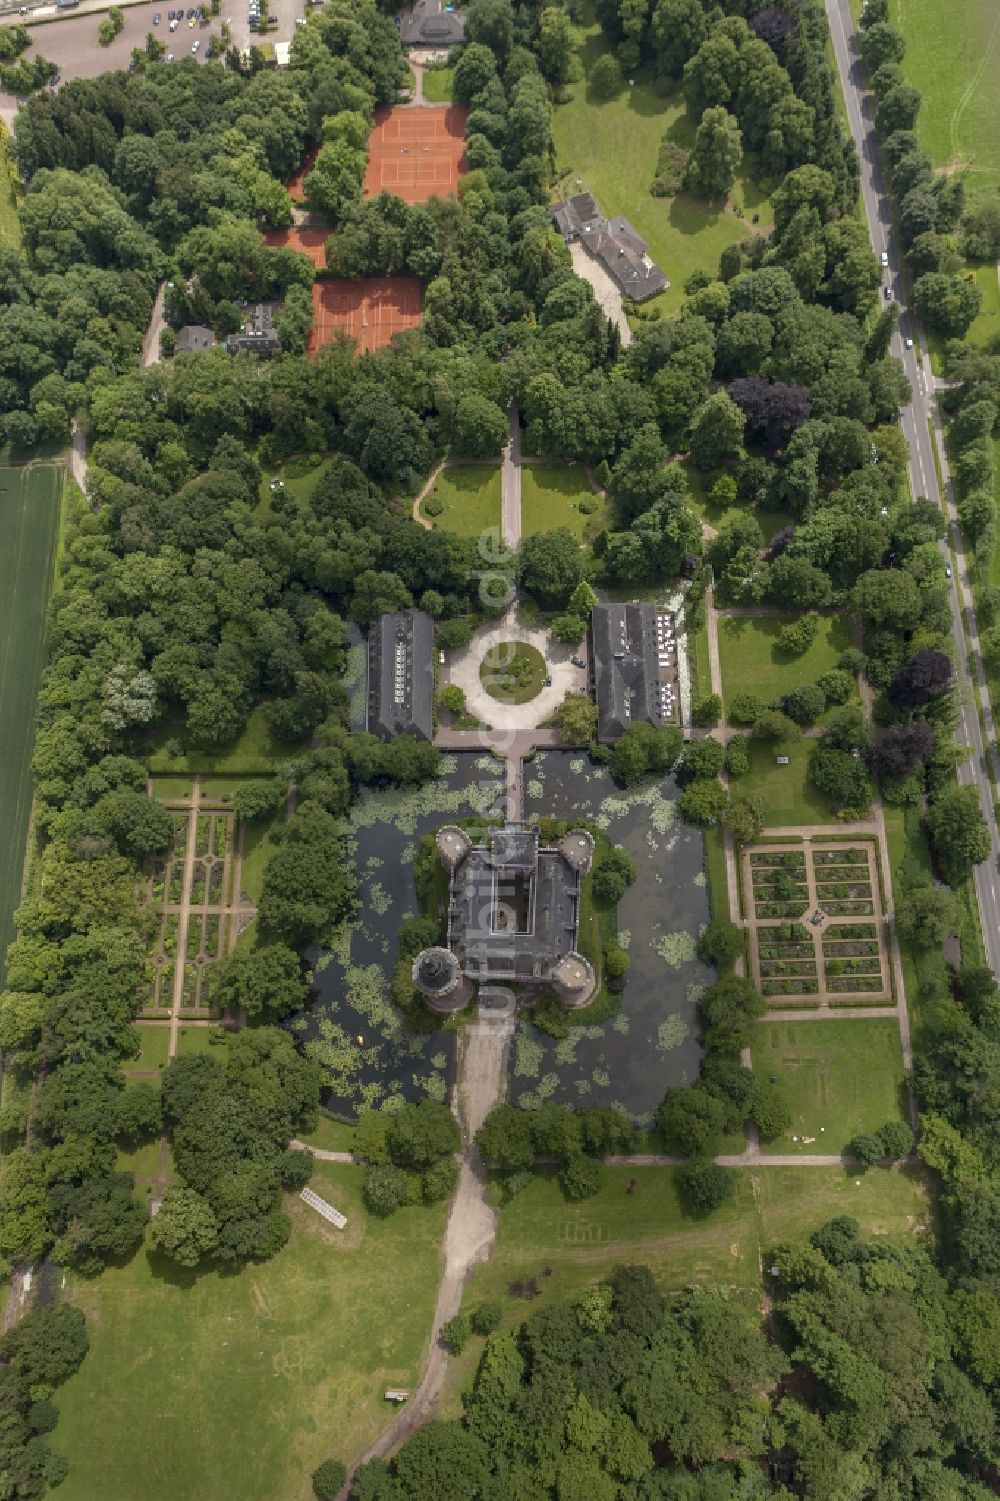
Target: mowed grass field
(551, 496)
(469, 495)
(953, 58)
(567, 1245)
(840, 1077)
(752, 663)
(236, 1385)
(29, 526)
(610, 147)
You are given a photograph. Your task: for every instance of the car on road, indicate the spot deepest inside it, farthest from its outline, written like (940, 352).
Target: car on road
(888, 294)
(885, 257)
(947, 570)
(909, 343)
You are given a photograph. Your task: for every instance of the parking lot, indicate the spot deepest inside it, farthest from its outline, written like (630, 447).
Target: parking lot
(71, 40)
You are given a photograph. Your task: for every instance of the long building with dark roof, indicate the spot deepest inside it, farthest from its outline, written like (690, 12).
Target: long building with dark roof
(633, 659)
(401, 675)
(615, 243)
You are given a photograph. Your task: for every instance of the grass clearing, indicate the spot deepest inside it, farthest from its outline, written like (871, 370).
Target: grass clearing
(233, 1384)
(195, 1040)
(840, 1077)
(10, 226)
(611, 148)
(258, 847)
(551, 496)
(254, 753)
(699, 485)
(153, 1056)
(752, 663)
(30, 501)
(438, 85)
(581, 1242)
(953, 58)
(469, 495)
(331, 1136)
(785, 793)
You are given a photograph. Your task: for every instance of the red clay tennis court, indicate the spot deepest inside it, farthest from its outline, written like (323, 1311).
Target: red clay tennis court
(369, 310)
(416, 153)
(311, 241)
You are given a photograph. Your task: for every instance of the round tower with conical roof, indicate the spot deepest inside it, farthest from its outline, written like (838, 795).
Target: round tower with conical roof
(438, 976)
(573, 980)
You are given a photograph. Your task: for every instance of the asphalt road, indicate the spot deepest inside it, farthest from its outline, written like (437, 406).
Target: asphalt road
(917, 420)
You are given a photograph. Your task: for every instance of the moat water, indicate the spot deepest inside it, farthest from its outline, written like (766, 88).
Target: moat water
(370, 1055)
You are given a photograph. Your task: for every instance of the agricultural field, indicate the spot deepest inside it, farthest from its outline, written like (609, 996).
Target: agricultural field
(469, 497)
(237, 1383)
(953, 58)
(556, 495)
(839, 1076)
(610, 147)
(30, 500)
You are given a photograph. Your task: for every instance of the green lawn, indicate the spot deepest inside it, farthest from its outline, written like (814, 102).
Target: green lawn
(10, 228)
(194, 1040)
(752, 663)
(470, 497)
(581, 1242)
(155, 1042)
(29, 526)
(236, 1384)
(331, 1136)
(953, 58)
(785, 794)
(512, 672)
(255, 753)
(841, 1077)
(437, 84)
(299, 477)
(258, 847)
(550, 497)
(611, 148)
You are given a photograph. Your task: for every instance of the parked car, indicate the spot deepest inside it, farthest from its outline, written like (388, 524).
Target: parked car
(195, 46)
(169, 57)
(947, 570)
(174, 24)
(885, 257)
(909, 343)
(888, 294)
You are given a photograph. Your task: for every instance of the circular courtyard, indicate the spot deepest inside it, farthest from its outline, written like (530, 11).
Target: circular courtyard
(514, 674)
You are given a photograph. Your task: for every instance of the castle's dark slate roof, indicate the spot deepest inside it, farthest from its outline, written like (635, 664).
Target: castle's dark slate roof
(624, 658)
(524, 941)
(401, 675)
(429, 26)
(615, 243)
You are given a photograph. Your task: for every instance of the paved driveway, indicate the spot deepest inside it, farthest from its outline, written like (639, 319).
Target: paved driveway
(463, 669)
